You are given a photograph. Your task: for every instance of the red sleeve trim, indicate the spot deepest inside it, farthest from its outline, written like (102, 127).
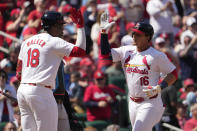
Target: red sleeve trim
(174, 72)
(19, 69)
(77, 52)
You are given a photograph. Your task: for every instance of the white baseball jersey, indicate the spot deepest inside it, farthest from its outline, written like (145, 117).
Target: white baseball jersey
(41, 56)
(141, 68)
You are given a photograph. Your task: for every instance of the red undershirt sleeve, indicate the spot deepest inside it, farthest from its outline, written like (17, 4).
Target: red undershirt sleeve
(77, 52)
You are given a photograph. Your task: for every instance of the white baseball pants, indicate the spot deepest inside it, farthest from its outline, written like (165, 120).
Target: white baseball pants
(38, 108)
(63, 121)
(145, 115)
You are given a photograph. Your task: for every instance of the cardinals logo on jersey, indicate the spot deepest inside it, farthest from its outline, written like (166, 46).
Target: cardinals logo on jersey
(127, 59)
(144, 60)
(135, 68)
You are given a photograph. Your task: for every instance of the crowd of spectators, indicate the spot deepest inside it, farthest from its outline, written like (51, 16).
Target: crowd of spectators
(93, 83)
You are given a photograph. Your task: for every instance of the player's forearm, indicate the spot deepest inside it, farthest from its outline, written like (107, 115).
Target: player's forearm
(81, 38)
(105, 48)
(170, 78)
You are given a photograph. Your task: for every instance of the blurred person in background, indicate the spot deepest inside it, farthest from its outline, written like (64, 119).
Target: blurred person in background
(84, 81)
(90, 16)
(6, 65)
(90, 128)
(35, 15)
(29, 6)
(6, 109)
(17, 117)
(14, 82)
(95, 31)
(127, 39)
(134, 9)
(188, 85)
(98, 98)
(75, 92)
(13, 26)
(72, 65)
(191, 124)
(33, 19)
(191, 92)
(10, 126)
(13, 56)
(115, 70)
(88, 66)
(186, 6)
(177, 24)
(161, 12)
(191, 30)
(75, 3)
(188, 58)
(192, 10)
(161, 45)
(113, 127)
(4, 6)
(181, 115)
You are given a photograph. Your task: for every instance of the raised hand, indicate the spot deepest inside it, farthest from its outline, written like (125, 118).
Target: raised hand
(77, 17)
(104, 22)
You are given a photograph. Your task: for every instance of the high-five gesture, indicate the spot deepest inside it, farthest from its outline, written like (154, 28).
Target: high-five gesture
(104, 22)
(77, 17)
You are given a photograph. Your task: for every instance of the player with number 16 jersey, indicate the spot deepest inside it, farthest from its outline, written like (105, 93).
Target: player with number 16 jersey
(142, 65)
(141, 68)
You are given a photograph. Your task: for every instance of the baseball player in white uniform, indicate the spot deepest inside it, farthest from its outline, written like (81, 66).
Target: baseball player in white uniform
(38, 63)
(142, 66)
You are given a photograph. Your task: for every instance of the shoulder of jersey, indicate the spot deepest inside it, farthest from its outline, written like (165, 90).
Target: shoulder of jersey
(128, 47)
(156, 52)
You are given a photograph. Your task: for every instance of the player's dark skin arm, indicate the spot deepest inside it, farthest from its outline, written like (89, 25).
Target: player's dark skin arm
(170, 79)
(105, 48)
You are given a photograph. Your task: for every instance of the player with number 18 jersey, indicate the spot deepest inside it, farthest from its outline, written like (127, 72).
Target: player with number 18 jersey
(41, 56)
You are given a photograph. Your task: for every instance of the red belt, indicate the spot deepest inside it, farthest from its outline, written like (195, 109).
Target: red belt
(34, 84)
(141, 99)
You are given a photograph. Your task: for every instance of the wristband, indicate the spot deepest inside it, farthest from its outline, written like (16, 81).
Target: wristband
(163, 84)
